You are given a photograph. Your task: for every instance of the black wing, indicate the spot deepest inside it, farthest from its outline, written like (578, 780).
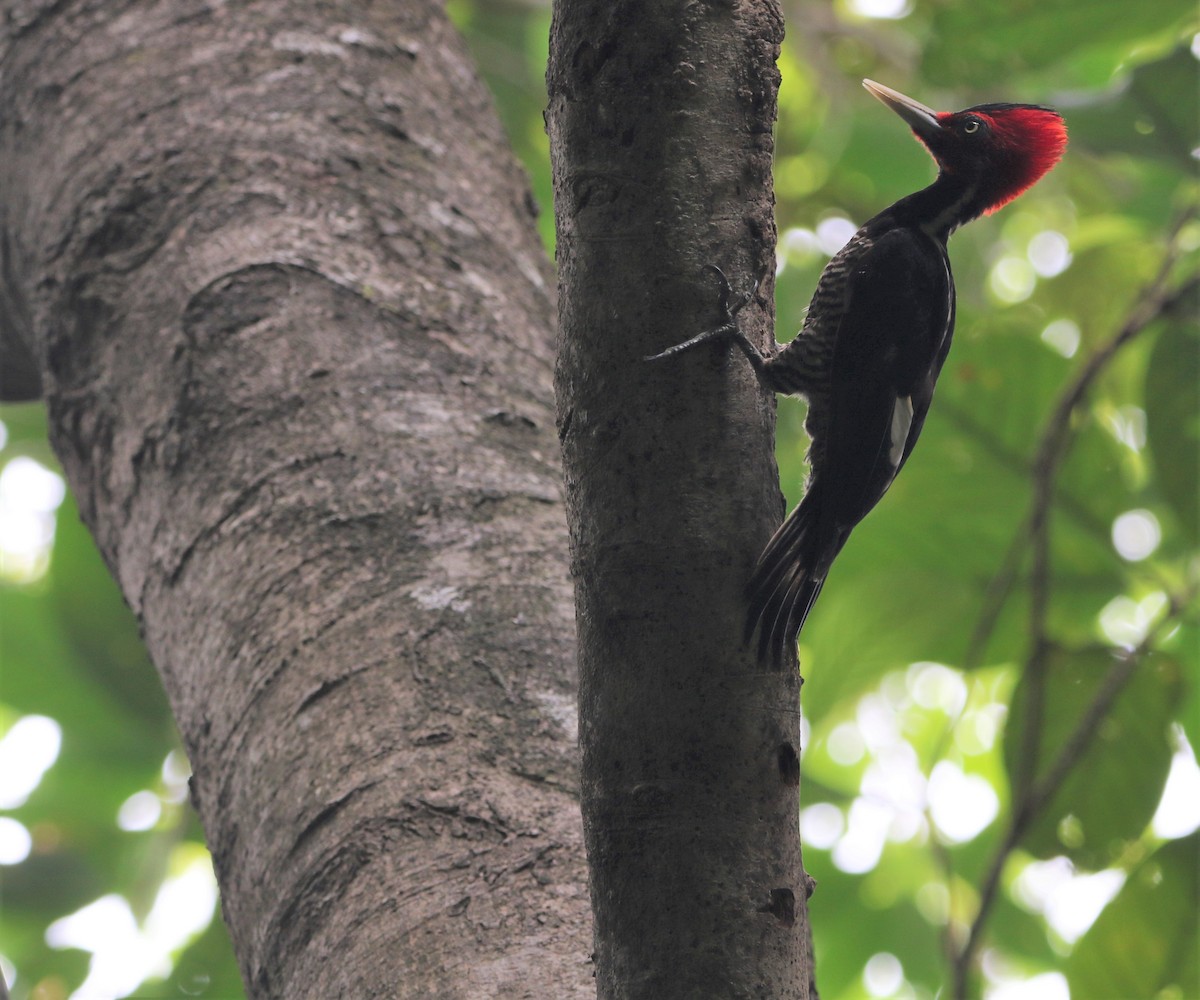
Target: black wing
(891, 343)
(892, 338)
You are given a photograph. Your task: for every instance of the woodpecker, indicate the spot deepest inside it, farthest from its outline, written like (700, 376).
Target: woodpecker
(874, 340)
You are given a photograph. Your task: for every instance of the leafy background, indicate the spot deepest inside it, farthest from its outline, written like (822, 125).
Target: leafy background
(997, 696)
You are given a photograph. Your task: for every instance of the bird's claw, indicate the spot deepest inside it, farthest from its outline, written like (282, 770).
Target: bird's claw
(731, 309)
(726, 288)
(728, 309)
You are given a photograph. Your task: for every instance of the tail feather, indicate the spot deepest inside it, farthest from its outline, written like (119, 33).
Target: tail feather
(774, 572)
(789, 577)
(785, 615)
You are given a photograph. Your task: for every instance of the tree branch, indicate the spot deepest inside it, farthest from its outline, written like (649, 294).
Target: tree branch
(690, 753)
(295, 326)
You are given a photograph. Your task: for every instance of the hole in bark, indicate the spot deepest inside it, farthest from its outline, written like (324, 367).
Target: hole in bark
(782, 906)
(789, 765)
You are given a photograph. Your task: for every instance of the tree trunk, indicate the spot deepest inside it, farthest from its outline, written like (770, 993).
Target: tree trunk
(660, 125)
(294, 327)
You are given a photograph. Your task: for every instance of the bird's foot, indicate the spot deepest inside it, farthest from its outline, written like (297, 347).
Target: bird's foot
(730, 307)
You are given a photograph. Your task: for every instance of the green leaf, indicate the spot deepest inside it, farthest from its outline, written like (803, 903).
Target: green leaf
(990, 41)
(1188, 711)
(207, 968)
(1144, 942)
(1153, 114)
(1173, 421)
(1105, 802)
(95, 620)
(854, 919)
(72, 649)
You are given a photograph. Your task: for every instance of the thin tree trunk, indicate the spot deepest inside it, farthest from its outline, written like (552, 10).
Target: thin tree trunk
(294, 328)
(660, 124)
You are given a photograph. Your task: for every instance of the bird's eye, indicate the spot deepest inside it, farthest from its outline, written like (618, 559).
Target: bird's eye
(971, 126)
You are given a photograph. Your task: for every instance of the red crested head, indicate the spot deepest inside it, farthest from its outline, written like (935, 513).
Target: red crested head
(1000, 150)
(1019, 143)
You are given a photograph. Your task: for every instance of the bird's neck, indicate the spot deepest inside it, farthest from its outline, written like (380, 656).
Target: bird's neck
(949, 202)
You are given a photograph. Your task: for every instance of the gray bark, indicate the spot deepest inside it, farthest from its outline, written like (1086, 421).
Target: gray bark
(660, 124)
(276, 273)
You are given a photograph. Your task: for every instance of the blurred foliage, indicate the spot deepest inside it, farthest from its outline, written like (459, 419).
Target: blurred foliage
(1036, 683)
(1079, 667)
(1144, 943)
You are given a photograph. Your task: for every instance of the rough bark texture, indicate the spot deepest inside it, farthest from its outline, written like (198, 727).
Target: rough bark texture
(660, 124)
(294, 327)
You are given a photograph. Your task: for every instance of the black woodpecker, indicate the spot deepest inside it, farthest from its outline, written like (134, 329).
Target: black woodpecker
(876, 334)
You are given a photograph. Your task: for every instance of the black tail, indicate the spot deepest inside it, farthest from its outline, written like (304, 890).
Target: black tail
(789, 576)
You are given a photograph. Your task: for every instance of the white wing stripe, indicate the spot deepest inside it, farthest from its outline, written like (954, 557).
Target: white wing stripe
(902, 414)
